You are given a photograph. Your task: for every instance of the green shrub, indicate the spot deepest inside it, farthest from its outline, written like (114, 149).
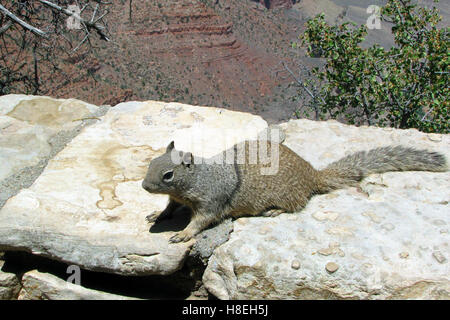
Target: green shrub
(403, 87)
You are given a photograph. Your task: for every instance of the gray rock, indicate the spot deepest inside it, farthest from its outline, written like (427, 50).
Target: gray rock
(44, 286)
(9, 284)
(385, 236)
(210, 239)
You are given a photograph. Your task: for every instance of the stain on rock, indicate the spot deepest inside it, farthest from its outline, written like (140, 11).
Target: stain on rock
(333, 248)
(325, 215)
(388, 226)
(49, 112)
(417, 290)
(340, 231)
(170, 111)
(119, 164)
(147, 120)
(197, 117)
(372, 216)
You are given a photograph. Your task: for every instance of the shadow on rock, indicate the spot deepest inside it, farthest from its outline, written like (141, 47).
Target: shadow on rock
(179, 220)
(181, 284)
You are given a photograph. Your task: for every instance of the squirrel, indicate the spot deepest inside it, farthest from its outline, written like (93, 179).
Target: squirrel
(214, 191)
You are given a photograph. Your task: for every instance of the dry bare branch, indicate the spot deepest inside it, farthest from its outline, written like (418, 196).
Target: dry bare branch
(22, 23)
(39, 48)
(5, 28)
(89, 24)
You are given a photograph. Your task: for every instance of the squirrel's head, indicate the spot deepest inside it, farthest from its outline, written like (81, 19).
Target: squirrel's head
(168, 173)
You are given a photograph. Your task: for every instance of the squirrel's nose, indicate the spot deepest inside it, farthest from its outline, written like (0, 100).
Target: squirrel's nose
(148, 186)
(145, 186)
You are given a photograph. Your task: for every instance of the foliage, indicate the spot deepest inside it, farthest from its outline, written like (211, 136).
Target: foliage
(405, 86)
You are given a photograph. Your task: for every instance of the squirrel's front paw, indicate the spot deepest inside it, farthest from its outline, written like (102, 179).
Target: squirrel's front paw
(182, 236)
(153, 217)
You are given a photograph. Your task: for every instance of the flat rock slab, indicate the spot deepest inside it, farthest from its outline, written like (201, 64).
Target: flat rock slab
(32, 130)
(28, 122)
(45, 286)
(387, 239)
(88, 207)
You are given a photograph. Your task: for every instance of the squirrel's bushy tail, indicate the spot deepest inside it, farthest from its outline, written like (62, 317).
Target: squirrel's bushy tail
(353, 168)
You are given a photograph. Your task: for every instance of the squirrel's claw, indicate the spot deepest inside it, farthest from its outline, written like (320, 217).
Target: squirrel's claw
(273, 213)
(152, 217)
(182, 236)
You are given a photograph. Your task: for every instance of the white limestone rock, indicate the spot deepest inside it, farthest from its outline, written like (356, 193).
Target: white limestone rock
(388, 239)
(28, 122)
(88, 207)
(45, 286)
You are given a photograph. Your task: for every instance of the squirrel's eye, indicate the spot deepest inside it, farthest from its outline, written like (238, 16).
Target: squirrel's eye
(168, 176)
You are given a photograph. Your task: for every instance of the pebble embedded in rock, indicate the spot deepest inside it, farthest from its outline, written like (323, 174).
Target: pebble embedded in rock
(325, 252)
(435, 137)
(439, 257)
(295, 265)
(331, 267)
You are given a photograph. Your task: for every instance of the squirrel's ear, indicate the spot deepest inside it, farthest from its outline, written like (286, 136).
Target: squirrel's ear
(187, 159)
(170, 146)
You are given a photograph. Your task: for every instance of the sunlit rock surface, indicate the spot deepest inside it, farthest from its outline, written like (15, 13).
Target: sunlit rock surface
(28, 122)
(388, 239)
(88, 207)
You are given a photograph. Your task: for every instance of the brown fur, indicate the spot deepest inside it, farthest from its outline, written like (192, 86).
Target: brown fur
(217, 191)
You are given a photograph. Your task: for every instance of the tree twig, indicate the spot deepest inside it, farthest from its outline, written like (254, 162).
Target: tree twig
(300, 82)
(5, 28)
(89, 25)
(312, 95)
(22, 23)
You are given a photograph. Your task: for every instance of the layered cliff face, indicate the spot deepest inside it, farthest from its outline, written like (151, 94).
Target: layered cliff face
(185, 51)
(223, 54)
